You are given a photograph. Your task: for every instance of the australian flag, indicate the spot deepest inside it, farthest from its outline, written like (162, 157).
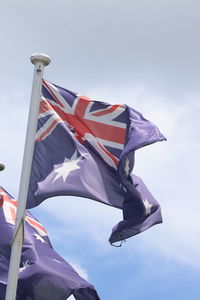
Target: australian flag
(43, 274)
(86, 148)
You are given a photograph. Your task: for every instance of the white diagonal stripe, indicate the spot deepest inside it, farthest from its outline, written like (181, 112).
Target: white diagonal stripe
(110, 144)
(56, 92)
(91, 139)
(107, 118)
(48, 124)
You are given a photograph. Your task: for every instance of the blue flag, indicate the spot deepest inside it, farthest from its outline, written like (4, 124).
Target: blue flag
(86, 148)
(43, 274)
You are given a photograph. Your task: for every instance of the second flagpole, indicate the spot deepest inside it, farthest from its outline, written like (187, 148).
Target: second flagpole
(40, 61)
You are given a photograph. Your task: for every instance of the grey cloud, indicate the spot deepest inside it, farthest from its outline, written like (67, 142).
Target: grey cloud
(111, 42)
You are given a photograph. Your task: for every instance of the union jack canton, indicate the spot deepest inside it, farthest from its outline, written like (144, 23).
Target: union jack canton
(9, 206)
(102, 126)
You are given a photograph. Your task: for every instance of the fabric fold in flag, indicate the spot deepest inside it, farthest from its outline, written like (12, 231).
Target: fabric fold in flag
(43, 274)
(86, 148)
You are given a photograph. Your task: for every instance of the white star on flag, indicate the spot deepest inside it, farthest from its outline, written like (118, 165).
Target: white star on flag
(25, 265)
(38, 237)
(127, 167)
(67, 167)
(148, 207)
(56, 260)
(70, 298)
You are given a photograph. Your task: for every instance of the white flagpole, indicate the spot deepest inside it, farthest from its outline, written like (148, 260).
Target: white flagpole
(40, 61)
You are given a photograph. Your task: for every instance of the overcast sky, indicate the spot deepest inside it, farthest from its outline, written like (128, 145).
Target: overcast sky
(144, 53)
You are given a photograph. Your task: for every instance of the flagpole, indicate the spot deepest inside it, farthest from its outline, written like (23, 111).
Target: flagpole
(40, 61)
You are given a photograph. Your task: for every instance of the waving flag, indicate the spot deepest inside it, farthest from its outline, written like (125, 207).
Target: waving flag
(43, 274)
(86, 148)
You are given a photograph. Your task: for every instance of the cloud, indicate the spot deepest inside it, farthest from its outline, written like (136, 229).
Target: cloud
(171, 171)
(80, 270)
(104, 42)
(81, 219)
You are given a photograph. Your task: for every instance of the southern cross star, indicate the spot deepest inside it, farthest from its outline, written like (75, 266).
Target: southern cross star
(67, 167)
(127, 167)
(148, 207)
(25, 265)
(56, 260)
(38, 237)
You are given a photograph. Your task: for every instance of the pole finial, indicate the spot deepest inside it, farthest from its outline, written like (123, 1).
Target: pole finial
(40, 57)
(2, 166)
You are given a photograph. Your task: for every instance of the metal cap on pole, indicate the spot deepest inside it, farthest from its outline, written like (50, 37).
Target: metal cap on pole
(39, 60)
(2, 166)
(40, 57)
